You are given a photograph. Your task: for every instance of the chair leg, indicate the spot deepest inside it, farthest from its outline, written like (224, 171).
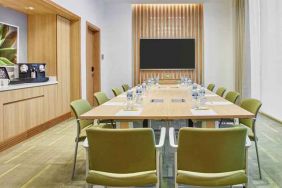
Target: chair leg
(176, 185)
(260, 177)
(220, 122)
(74, 161)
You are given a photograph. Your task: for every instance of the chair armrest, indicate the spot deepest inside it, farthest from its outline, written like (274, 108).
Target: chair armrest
(248, 142)
(85, 143)
(162, 138)
(171, 138)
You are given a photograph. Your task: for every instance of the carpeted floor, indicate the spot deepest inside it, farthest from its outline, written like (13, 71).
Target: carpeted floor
(46, 159)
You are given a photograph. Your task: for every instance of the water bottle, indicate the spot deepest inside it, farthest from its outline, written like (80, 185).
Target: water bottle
(144, 87)
(186, 81)
(190, 82)
(195, 96)
(138, 94)
(129, 102)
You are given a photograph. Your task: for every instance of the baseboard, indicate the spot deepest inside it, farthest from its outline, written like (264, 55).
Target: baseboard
(32, 132)
(271, 117)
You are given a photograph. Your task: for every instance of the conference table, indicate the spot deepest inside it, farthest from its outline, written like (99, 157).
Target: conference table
(167, 103)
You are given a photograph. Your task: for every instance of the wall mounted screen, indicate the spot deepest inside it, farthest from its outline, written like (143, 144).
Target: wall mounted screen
(167, 53)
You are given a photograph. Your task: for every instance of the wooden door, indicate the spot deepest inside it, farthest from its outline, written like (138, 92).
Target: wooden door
(63, 65)
(92, 62)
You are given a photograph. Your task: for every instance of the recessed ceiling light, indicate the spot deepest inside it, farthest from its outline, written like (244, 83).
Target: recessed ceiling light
(29, 8)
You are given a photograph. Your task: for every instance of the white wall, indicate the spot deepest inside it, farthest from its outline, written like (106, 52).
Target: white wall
(114, 19)
(271, 57)
(118, 44)
(15, 18)
(219, 43)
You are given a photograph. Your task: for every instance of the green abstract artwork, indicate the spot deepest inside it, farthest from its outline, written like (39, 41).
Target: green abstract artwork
(8, 44)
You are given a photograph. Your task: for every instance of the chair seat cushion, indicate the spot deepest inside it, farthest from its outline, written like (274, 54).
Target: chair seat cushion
(211, 179)
(120, 180)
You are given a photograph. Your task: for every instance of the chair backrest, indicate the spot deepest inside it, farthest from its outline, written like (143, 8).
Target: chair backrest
(117, 91)
(220, 91)
(232, 96)
(253, 106)
(122, 150)
(125, 87)
(211, 87)
(79, 107)
(101, 97)
(211, 150)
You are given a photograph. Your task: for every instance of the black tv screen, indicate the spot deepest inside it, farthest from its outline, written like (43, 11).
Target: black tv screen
(167, 53)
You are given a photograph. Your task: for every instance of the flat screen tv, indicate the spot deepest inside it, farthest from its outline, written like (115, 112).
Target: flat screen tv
(167, 53)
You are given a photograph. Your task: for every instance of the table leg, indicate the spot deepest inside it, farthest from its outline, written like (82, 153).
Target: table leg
(209, 124)
(145, 123)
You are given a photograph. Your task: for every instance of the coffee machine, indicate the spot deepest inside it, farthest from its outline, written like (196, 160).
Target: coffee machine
(31, 73)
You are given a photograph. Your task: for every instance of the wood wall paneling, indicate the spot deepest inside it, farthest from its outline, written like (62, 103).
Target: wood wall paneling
(168, 21)
(63, 64)
(42, 40)
(75, 61)
(40, 7)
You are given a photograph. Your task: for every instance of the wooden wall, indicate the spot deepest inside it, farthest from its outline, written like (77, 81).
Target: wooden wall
(168, 21)
(42, 40)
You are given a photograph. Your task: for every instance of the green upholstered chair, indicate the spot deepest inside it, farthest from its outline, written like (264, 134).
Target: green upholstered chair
(101, 98)
(117, 91)
(79, 107)
(211, 87)
(253, 106)
(232, 96)
(125, 87)
(220, 91)
(210, 157)
(123, 157)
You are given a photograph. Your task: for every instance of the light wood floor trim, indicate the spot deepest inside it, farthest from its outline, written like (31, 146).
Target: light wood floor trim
(31, 132)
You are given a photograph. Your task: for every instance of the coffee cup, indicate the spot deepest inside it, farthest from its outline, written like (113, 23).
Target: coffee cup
(4, 82)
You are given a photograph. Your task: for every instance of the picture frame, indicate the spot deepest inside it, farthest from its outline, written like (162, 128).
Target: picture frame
(3, 73)
(11, 45)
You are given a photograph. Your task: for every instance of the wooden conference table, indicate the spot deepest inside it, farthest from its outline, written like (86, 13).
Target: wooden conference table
(171, 102)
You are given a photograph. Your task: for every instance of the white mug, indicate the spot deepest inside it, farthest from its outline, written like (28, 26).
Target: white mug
(4, 82)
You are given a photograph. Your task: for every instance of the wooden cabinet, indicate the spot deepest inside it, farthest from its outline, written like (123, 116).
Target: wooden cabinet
(25, 109)
(54, 37)
(23, 115)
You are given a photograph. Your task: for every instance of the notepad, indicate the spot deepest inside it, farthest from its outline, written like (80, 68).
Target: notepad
(115, 104)
(122, 95)
(203, 112)
(211, 95)
(157, 101)
(177, 100)
(218, 103)
(123, 112)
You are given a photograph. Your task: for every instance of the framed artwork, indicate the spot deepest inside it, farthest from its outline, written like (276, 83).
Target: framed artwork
(9, 44)
(3, 73)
